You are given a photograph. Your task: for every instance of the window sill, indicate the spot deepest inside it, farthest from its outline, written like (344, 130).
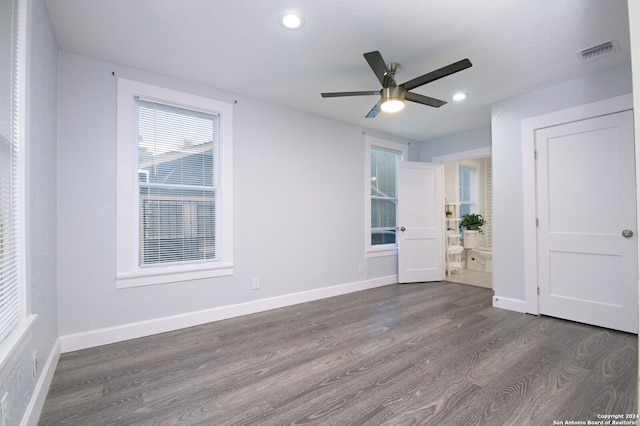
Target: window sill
(12, 347)
(170, 274)
(381, 252)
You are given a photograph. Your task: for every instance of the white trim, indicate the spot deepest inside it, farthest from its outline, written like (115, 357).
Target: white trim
(381, 251)
(128, 272)
(24, 13)
(510, 304)
(160, 275)
(36, 403)
(14, 344)
(529, 127)
(104, 336)
(471, 154)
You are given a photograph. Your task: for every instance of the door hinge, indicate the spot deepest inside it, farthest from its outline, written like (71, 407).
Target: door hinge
(535, 155)
(538, 289)
(537, 222)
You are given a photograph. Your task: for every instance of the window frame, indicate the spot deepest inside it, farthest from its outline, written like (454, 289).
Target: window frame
(129, 272)
(474, 205)
(371, 142)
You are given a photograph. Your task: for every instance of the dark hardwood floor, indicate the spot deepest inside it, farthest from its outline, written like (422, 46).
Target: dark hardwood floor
(427, 354)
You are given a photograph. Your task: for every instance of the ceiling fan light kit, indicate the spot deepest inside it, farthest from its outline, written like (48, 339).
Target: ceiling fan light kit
(393, 95)
(392, 99)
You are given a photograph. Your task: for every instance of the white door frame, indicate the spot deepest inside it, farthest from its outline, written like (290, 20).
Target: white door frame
(529, 126)
(471, 154)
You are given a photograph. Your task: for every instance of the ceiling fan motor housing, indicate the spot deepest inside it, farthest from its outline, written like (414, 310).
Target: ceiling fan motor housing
(392, 93)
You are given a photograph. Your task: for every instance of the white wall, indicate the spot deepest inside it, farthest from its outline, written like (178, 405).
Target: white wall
(298, 218)
(451, 189)
(508, 249)
(457, 142)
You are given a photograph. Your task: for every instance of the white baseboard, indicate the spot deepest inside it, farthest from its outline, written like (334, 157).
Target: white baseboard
(34, 409)
(104, 336)
(510, 304)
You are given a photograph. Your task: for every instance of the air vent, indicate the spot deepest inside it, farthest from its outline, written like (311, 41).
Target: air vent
(592, 53)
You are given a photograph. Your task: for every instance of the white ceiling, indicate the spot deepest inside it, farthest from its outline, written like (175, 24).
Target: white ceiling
(238, 46)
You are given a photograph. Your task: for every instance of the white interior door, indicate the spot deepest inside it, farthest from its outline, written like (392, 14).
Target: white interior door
(587, 258)
(421, 222)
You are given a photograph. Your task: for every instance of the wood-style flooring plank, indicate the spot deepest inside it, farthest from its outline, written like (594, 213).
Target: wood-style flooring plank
(428, 353)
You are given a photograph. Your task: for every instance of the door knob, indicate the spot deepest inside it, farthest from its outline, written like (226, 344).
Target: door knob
(627, 233)
(402, 228)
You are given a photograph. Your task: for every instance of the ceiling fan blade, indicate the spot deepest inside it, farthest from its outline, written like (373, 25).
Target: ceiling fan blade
(378, 66)
(424, 100)
(437, 74)
(374, 111)
(339, 94)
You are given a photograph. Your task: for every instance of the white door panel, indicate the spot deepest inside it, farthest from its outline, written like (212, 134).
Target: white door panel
(421, 221)
(585, 180)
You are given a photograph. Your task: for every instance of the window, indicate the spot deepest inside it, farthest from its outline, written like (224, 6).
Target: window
(10, 194)
(384, 199)
(382, 163)
(468, 183)
(177, 179)
(15, 322)
(170, 152)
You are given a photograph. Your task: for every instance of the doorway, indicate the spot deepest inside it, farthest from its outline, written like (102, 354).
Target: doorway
(468, 189)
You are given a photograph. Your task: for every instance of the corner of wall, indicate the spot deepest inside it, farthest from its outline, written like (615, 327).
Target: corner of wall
(510, 304)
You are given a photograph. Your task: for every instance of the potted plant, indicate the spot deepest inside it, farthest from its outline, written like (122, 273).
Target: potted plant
(472, 222)
(448, 213)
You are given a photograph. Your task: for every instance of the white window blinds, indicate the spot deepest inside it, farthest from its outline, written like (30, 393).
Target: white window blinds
(178, 181)
(9, 241)
(10, 192)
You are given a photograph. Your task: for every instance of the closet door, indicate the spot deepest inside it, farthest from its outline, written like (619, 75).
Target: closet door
(587, 233)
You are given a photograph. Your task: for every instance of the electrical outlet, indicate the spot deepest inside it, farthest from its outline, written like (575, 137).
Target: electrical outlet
(256, 283)
(35, 364)
(4, 409)
(361, 268)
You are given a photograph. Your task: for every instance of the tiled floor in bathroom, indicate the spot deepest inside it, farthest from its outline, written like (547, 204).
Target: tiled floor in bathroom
(467, 276)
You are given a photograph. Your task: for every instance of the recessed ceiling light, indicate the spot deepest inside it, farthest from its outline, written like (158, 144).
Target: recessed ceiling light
(291, 20)
(459, 96)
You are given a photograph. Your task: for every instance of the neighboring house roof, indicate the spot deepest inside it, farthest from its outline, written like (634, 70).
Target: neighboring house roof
(190, 165)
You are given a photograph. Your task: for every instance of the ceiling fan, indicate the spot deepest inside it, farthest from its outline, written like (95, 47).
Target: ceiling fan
(392, 95)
